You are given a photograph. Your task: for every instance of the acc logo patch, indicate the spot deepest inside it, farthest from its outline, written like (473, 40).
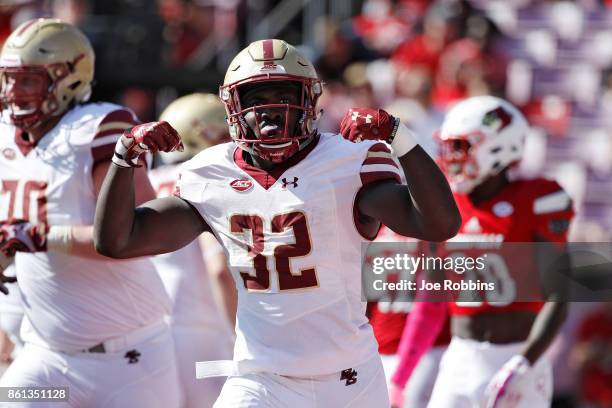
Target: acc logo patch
(503, 209)
(8, 153)
(241, 185)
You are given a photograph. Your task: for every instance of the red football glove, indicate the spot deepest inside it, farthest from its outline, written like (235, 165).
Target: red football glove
(368, 124)
(22, 236)
(153, 137)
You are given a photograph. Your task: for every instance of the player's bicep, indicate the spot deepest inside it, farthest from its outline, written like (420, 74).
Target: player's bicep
(165, 225)
(143, 190)
(390, 203)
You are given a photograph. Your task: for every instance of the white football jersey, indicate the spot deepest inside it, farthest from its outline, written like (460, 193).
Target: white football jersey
(294, 249)
(184, 273)
(73, 302)
(11, 303)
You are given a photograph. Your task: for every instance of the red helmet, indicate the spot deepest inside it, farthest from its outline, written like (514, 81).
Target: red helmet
(269, 61)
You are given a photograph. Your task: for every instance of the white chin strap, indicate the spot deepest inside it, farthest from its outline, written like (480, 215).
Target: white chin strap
(276, 146)
(17, 111)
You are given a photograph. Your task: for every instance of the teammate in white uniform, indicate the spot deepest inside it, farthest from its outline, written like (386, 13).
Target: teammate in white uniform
(92, 324)
(199, 330)
(291, 207)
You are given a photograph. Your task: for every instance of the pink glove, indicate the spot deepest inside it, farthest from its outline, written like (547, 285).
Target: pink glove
(504, 390)
(396, 396)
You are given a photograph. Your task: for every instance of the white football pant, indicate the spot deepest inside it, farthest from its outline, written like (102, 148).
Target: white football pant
(468, 366)
(338, 390)
(144, 378)
(420, 385)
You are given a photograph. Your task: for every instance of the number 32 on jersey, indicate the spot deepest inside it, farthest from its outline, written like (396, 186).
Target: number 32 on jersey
(282, 254)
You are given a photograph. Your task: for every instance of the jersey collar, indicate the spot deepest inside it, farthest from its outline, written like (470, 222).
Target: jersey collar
(25, 146)
(267, 178)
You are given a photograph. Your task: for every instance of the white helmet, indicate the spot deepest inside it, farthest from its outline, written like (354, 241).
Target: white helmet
(480, 137)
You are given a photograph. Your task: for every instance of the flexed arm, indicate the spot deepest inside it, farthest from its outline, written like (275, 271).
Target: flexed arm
(424, 208)
(162, 225)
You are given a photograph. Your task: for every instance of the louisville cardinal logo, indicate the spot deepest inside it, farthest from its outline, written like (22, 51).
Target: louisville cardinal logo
(498, 118)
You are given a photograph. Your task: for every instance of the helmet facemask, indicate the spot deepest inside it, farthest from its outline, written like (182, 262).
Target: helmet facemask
(24, 92)
(272, 144)
(43, 98)
(457, 161)
(468, 160)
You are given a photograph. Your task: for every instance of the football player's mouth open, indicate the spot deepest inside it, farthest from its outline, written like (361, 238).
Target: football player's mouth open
(272, 131)
(269, 131)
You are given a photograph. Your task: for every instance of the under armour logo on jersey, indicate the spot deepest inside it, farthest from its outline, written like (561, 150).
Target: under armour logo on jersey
(132, 356)
(349, 375)
(355, 116)
(292, 183)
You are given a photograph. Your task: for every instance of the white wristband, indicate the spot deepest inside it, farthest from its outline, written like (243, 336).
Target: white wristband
(121, 152)
(403, 141)
(59, 238)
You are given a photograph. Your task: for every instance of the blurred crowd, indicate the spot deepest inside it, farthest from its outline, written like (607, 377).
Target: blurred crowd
(414, 58)
(550, 58)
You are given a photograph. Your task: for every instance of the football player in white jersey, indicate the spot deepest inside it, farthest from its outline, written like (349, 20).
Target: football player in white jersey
(200, 331)
(291, 207)
(91, 324)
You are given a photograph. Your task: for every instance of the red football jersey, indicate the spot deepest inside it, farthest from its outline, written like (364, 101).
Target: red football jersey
(524, 211)
(389, 317)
